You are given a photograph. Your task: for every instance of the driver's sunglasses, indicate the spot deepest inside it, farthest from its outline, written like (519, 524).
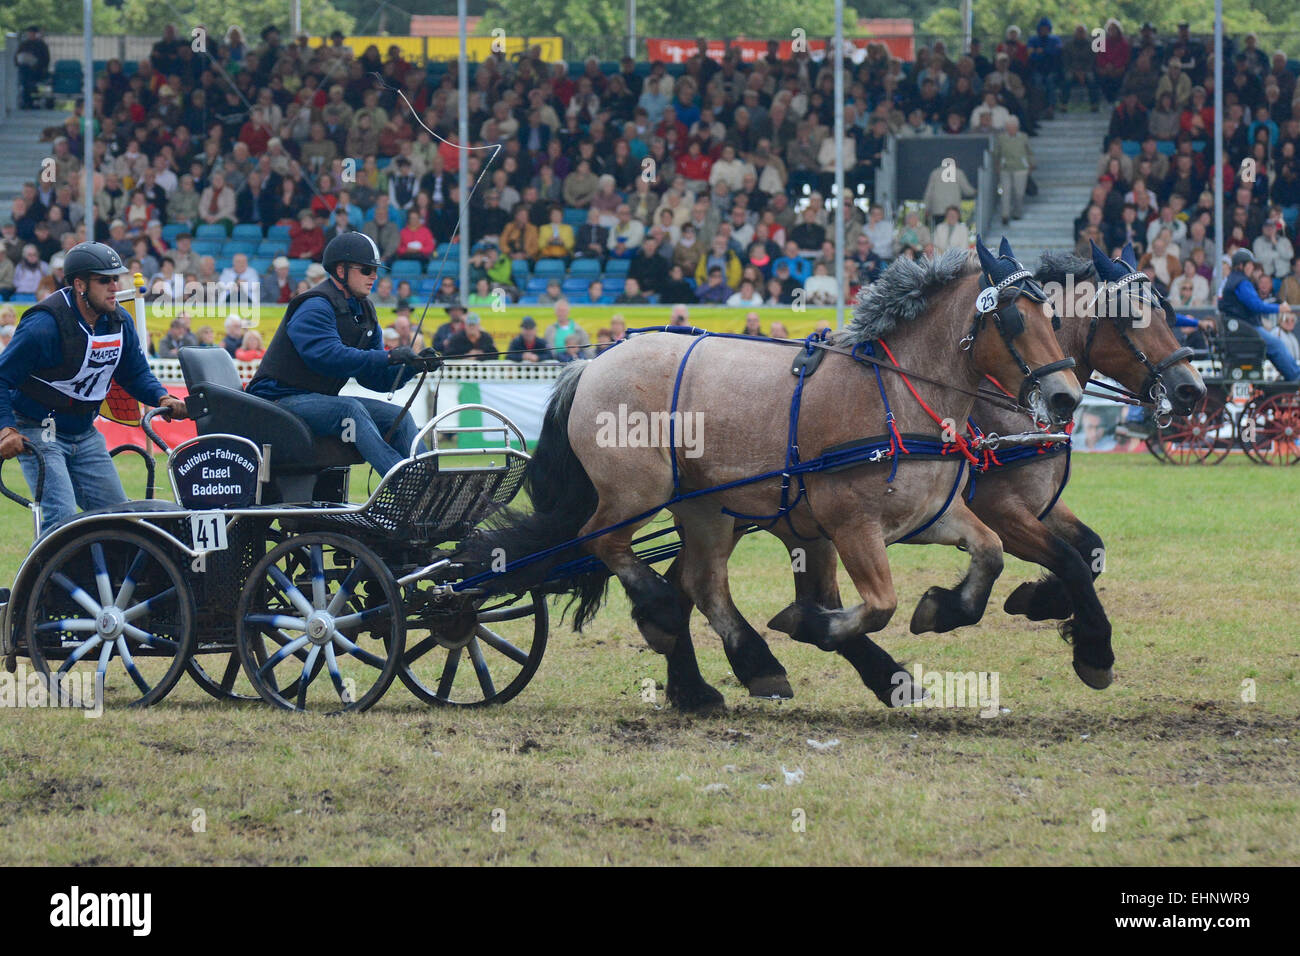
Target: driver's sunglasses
(366, 270)
(105, 280)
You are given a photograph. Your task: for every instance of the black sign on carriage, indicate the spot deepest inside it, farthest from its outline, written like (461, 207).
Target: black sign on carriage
(215, 472)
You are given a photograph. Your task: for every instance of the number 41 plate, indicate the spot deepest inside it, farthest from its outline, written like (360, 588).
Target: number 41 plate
(208, 531)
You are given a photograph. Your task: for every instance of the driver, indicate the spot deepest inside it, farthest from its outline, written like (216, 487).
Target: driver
(330, 333)
(66, 351)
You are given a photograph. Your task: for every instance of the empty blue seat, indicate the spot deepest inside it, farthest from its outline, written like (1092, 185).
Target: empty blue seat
(260, 264)
(549, 267)
(528, 299)
(173, 229)
(210, 230)
(570, 286)
(232, 246)
(574, 216)
(536, 285)
(1165, 147)
(246, 230)
(408, 268)
(273, 247)
(519, 269)
(585, 267)
(1131, 147)
(617, 267)
(207, 247)
(278, 232)
(22, 298)
(608, 298)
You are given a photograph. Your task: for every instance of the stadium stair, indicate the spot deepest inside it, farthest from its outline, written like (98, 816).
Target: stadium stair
(1066, 150)
(21, 150)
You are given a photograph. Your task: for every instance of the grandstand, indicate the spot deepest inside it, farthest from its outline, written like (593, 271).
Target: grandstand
(239, 163)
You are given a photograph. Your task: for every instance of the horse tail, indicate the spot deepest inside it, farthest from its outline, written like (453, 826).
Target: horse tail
(563, 499)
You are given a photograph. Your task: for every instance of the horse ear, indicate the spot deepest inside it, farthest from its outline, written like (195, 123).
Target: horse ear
(1100, 260)
(986, 258)
(1128, 257)
(1005, 249)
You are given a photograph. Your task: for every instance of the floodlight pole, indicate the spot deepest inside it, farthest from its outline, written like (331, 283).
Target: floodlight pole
(88, 117)
(1219, 225)
(462, 122)
(837, 64)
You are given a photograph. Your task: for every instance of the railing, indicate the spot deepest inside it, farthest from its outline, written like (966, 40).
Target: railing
(8, 77)
(168, 371)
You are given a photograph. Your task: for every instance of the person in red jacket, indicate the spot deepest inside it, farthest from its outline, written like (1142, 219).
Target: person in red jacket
(415, 241)
(695, 165)
(306, 237)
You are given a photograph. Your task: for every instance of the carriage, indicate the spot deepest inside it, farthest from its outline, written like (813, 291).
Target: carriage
(1242, 408)
(315, 606)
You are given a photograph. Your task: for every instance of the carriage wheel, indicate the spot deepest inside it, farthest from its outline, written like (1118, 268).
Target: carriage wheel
(123, 597)
(1270, 429)
(1203, 437)
(314, 603)
(222, 676)
(488, 657)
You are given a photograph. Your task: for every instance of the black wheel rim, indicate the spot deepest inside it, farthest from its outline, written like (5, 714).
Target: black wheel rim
(492, 666)
(114, 608)
(320, 604)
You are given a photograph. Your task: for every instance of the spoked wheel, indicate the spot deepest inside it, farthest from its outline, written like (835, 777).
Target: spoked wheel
(320, 602)
(477, 657)
(123, 597)
(221, 675)
(1270, 429)
(1203, 437)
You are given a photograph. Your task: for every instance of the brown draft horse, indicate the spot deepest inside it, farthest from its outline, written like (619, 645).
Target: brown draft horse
(1121, 331)
(741, 391)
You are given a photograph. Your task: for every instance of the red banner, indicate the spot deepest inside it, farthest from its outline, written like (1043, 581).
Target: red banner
(679, 51)
(173, 433)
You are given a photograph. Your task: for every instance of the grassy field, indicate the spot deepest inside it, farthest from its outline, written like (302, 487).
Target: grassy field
(1200, 583)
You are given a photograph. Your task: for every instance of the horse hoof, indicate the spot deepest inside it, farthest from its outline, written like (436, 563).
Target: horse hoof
(926, 615)
(787, 621)
(903, 692)
(771, 687)
(702, 699)
(1018, 602)
(1098, 678)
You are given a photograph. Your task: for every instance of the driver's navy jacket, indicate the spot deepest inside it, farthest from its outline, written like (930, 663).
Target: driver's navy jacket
(36, 345)
(1239, 300)
(313, 328)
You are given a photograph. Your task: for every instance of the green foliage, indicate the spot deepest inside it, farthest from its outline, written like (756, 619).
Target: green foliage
(56, 16)
(674, 18)
(319, 17)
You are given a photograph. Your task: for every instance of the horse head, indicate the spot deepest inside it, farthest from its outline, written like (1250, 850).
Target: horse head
(1024, 353)
(1129, 337)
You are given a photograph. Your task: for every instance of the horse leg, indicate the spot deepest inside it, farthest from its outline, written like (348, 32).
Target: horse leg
(815, 565)
(705, 550)
(943, 609)
(686, 687)
(844, 630)
(1048, 599)
(1089, 629)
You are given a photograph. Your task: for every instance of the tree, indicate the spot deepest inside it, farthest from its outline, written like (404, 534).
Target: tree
(319, 17)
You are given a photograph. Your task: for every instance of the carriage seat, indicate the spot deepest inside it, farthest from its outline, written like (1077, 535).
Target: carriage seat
(300, 460)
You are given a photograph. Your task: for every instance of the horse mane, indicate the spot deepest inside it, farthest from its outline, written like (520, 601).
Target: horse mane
(902, 294)
(1056, 266)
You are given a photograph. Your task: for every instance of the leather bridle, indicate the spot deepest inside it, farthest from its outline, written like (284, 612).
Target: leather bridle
(1010, 323)
(1152, 390)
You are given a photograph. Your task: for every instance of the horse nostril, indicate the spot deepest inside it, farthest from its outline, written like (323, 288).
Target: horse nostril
(1188, 394)
(1061, 405)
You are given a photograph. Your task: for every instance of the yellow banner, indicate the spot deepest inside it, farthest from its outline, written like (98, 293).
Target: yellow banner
(448, 48)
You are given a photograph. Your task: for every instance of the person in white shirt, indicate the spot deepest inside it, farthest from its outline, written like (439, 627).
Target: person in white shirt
(1190, 290)
(819, 288)
(746, 295)
(881, 232)
(1273, 251)
(730, 170)
(996, 111)
(951, 233)
(238, 275)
